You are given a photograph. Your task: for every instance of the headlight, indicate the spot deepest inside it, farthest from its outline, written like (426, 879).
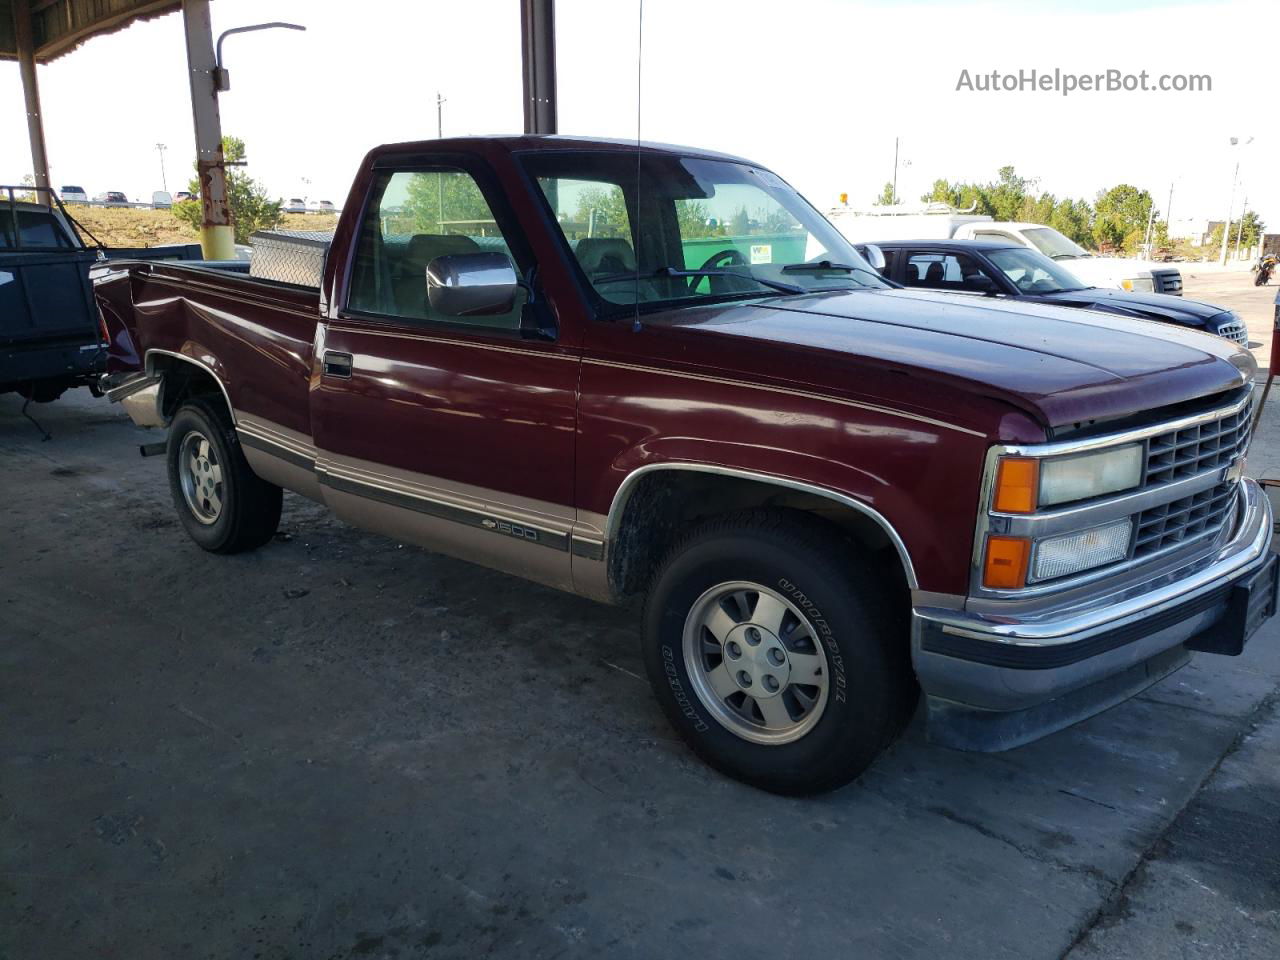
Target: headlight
(1074, 552)
(1090, 475)
(1138, 284)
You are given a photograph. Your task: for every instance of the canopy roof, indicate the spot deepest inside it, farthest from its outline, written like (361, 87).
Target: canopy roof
(59, 26)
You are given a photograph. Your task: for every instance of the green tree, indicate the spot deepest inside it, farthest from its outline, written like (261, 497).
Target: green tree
(1250, 235)
(1008, 194)
(1120, 216)
(251, 210)
(886, 197)
(1073, 219)
(443, 202)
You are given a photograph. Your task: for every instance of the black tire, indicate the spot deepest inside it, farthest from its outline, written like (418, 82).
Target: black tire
(248, 512)
(860, 617)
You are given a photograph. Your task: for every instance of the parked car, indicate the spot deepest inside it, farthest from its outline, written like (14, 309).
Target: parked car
(73, 194)
(295, 205)
(829, 493)
(183, 195)
(325, 206)
(50, 335)
(1002, 269)
(112, 198)
(941, 222)
(161, 200)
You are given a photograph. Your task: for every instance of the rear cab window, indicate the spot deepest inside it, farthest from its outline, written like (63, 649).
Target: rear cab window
(952, 272)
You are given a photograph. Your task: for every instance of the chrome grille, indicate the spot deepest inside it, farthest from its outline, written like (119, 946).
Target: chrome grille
(1184, 520)
(1167, 281)
(1234, 331)
(1184, 453)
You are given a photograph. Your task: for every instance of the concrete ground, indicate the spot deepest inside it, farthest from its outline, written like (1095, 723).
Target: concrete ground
(338, 747)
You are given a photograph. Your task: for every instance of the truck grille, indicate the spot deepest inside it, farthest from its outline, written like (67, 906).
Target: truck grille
(1182, 521)
(1193, 450)
(1167, 281)
(1234, 331)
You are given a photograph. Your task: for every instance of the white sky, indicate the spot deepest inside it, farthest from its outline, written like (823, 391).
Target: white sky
(815, 89)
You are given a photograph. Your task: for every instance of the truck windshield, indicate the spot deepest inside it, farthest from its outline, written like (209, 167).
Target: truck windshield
(1054, 245)
(696, 229)
(1032, 272)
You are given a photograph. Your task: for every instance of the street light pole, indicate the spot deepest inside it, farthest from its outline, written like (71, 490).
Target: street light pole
(164, 182)
(1226, 224)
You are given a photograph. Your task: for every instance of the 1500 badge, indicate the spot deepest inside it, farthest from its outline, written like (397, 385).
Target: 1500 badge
(510, 529)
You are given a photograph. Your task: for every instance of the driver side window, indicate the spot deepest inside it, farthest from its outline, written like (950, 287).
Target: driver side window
(414, 217)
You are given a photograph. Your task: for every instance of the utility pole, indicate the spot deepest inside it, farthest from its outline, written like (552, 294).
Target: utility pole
(1168, 215)
(164, 182)
(893, 194)
(1240, 230)
(440, 102)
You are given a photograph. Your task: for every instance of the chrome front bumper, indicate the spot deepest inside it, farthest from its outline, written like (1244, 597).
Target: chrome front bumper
(994, 681)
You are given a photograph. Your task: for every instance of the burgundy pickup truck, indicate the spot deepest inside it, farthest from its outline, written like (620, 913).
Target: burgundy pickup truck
(657, 374)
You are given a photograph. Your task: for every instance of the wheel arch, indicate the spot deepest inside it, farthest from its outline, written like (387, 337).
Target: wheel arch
(631, 555)
(194, 376)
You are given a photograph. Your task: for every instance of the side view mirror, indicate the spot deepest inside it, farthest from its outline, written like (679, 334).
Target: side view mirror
(873, 254)
(472, 284)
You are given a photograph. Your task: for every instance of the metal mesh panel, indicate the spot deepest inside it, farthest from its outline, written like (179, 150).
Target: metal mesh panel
(290, 256)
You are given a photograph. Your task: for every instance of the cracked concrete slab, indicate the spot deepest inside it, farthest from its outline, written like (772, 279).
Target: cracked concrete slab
(341, 747)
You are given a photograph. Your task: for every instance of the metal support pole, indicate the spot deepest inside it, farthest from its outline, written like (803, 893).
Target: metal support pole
(31, 90)
(217, 237)
(538, 45)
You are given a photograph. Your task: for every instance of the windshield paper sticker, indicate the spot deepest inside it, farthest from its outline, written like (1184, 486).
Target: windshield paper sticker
(761, 253)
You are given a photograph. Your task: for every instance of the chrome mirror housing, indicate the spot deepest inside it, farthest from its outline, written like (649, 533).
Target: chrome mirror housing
(471, 284)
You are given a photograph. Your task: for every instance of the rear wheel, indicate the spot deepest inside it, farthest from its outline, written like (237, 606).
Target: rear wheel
(224, 506)
(771, 644)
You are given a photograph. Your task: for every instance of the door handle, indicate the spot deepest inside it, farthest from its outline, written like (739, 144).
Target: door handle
(337, 364)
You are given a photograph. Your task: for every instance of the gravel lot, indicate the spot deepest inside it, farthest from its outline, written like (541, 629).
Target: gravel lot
(342, 747)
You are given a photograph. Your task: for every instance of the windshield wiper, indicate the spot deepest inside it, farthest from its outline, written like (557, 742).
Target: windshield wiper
(821, 266)
(676, 272)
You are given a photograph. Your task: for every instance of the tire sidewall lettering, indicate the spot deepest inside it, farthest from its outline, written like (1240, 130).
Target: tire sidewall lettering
(840, 686)
(683, 701)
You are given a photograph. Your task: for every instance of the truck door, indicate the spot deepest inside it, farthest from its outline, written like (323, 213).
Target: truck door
(456, 433)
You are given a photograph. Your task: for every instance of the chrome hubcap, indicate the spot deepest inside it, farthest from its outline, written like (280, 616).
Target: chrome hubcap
(756, 662)
(200, 475)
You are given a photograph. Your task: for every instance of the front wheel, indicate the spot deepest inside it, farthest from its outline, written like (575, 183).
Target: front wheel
(224, 506)
(772, 647)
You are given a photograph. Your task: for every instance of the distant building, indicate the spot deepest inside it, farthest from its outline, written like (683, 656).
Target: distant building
(1195, 230)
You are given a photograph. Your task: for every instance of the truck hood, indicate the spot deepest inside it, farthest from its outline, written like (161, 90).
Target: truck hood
(1119, 267)
(1151, 306)
(1060, 365)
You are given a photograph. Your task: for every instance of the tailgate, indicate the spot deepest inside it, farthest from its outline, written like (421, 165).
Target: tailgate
(47, 297)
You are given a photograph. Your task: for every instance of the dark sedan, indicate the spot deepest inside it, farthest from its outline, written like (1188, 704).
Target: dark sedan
(994, 268)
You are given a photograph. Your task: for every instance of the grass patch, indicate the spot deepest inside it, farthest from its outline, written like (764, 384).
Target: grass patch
(128, 227)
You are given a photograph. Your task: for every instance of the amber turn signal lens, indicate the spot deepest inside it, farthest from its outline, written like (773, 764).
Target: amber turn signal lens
(1017, 482)
(1006, 564)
